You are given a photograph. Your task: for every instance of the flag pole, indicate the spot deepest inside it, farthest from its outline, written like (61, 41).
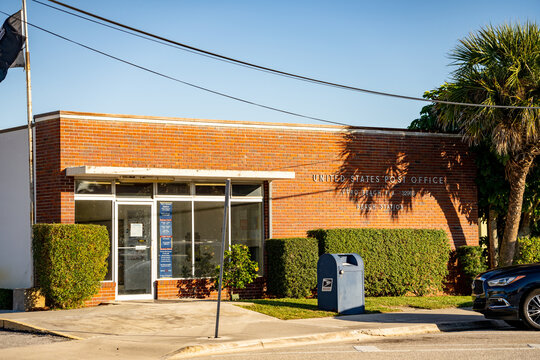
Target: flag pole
(29, 115)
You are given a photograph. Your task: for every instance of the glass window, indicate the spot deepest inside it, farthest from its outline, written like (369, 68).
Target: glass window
(180, 237)
(93, 187)
(246, 229)
(134, 189)
(246, 190)
(210, 189)
(97, 212)
(173, 189)
(208, 221)
(134, 224)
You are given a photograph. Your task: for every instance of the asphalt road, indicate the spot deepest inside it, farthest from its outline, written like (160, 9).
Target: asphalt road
(502, 344)
(9, 339)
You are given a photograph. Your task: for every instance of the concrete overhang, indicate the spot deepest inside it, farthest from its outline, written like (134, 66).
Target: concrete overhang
(131, 173)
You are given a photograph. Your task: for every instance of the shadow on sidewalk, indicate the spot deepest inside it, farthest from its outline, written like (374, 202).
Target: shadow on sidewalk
(420, 317)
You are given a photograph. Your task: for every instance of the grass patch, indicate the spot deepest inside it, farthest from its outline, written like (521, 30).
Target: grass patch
(288, 309)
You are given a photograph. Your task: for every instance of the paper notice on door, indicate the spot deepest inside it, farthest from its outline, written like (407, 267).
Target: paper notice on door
(135, 230)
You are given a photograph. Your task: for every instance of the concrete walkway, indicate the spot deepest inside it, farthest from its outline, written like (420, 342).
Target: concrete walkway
(180, 329)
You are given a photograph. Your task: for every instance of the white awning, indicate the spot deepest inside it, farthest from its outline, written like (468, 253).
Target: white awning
(174, 174)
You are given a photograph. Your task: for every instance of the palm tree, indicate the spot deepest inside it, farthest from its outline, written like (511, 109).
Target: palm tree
(499, 66)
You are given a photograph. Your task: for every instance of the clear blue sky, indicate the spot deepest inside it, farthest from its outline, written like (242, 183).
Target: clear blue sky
(392, 46)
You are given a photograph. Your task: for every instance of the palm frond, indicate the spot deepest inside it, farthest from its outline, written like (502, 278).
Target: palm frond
(497, 66)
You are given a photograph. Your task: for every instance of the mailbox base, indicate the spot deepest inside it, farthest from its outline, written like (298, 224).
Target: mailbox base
(353, 311)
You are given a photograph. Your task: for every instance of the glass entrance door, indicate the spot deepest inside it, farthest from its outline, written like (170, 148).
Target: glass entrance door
(134, 231)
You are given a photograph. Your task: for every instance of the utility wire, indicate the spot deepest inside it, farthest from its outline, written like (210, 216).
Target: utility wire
(131, 32)
(181, 81)
(158, 39)
(279, 72)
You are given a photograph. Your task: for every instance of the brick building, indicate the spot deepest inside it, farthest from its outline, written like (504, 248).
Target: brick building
(158, 185)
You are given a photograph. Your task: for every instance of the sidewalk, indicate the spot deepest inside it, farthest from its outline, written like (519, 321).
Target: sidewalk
(180, 329)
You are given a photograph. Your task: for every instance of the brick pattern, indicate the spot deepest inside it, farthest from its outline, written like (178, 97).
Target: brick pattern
(48, 174)
(54, 195)
(339, 176)
(105, 294)
(203, 289)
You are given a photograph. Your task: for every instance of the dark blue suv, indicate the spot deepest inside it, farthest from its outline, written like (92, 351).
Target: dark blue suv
(511, 294)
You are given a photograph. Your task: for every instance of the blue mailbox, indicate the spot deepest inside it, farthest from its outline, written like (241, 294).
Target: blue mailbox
(340, 283)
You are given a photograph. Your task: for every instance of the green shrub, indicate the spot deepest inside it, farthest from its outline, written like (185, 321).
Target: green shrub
(6, 299)
(472, 260)
(527, 250)
(397, 261)
(238, 268)
(70, 260)
(292, 266)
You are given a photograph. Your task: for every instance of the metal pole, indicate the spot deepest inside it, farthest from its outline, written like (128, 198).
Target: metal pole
(224, 232)
(29, 118)
(29, 114)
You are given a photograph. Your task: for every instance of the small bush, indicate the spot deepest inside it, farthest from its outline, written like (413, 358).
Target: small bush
(6, 299)
(70, 260)
(397, 261)
(472, 261)
(527, 250)
(238, 268)
(292, 266)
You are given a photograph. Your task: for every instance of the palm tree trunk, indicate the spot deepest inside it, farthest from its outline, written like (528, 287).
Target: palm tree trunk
(516, 172)
(493, 247)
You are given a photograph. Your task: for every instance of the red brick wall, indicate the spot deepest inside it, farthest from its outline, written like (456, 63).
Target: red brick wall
(54, 191)
(105, 294)
(48, 172)
(297, 205)
(202, 289)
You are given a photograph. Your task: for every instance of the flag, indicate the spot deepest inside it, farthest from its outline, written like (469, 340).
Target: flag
(11, 44)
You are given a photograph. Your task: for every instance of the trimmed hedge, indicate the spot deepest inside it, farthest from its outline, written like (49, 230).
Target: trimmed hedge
(527, 250)
(397, 261)
(292, 266)
(472, 261)
(70, 260)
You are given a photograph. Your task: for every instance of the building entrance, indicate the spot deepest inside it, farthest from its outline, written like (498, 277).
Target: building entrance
(134, 261)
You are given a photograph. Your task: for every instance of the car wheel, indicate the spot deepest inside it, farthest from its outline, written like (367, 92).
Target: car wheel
(531, 310)
(518, 324)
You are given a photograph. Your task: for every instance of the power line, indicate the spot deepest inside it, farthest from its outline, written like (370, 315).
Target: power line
(181, 81)
(130, 32)
(279, 72)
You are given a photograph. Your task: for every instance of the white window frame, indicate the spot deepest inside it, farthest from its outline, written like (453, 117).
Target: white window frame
(154, 200)
(153, 252)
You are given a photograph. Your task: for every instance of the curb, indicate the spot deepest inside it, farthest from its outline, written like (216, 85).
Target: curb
(13, 325)
(360, 335)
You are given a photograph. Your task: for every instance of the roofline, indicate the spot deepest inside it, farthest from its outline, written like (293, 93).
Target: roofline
(55, 115)
(16, 128)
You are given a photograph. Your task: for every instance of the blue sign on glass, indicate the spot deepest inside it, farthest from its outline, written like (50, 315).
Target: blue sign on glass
(165, 232)
(165, 228)
(166, 242)
(165, 208)
(165, 216)
(165, 263)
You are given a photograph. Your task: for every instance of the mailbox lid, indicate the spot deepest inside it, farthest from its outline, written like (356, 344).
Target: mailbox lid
(350, 262)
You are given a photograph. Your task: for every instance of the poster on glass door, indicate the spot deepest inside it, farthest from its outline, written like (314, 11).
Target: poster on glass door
(165, 239)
